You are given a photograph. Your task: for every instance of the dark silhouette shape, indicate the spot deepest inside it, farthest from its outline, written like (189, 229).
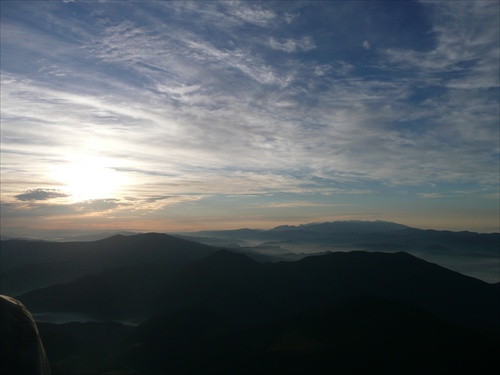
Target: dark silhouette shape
(207, 311)
(28, 265)
(22, 351)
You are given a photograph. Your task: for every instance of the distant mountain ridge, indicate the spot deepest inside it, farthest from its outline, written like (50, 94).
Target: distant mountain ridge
(96, 236)
(347, 226)
(475, 254)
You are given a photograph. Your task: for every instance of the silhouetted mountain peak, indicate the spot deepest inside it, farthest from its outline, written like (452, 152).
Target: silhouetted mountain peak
(347, 226)
(151, 240)
(141, 236)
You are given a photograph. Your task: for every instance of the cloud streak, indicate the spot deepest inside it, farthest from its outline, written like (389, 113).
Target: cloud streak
(41, 195)
(292, 45)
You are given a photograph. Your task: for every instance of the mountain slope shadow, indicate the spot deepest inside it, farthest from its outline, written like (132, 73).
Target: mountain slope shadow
(354, 336)
(234, 285)
(348, 312)
(120, 276)
(29, 265)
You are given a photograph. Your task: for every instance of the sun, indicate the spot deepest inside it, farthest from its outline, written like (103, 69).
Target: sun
(87, 178)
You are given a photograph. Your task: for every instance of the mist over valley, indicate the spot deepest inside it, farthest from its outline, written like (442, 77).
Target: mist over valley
(306, 297)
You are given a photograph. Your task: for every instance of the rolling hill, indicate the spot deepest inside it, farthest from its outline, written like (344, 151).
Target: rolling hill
(195, 309)
(28, 265)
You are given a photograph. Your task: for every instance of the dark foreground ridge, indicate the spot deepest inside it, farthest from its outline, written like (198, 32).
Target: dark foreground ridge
(200, 310)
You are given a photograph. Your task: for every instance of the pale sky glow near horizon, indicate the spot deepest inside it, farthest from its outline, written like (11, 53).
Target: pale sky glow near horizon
(179, 116)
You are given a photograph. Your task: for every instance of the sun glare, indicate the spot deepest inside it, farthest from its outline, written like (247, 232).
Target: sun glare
(89, 178)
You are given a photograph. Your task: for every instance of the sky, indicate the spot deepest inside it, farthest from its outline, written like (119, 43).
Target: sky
(183, 116)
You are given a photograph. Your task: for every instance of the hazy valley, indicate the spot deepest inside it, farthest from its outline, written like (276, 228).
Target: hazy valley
(284, 300)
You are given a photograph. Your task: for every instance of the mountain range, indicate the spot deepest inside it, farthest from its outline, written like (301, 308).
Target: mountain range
(474, 254)
(154, 303)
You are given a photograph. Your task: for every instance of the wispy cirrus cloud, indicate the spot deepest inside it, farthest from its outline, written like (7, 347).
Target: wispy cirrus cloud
(252, 13)
(292, 45)
(39, 209)
(468, 55)
(431, 195)
(196, 100)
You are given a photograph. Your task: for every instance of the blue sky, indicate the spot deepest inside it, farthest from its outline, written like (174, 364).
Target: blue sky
(169, 116)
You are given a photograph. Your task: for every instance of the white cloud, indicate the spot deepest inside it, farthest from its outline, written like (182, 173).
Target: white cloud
(470, 51)
(252, 13)
(188, 115)
(178, 52)
(292, 45)
(290, 17)
(366, 45)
